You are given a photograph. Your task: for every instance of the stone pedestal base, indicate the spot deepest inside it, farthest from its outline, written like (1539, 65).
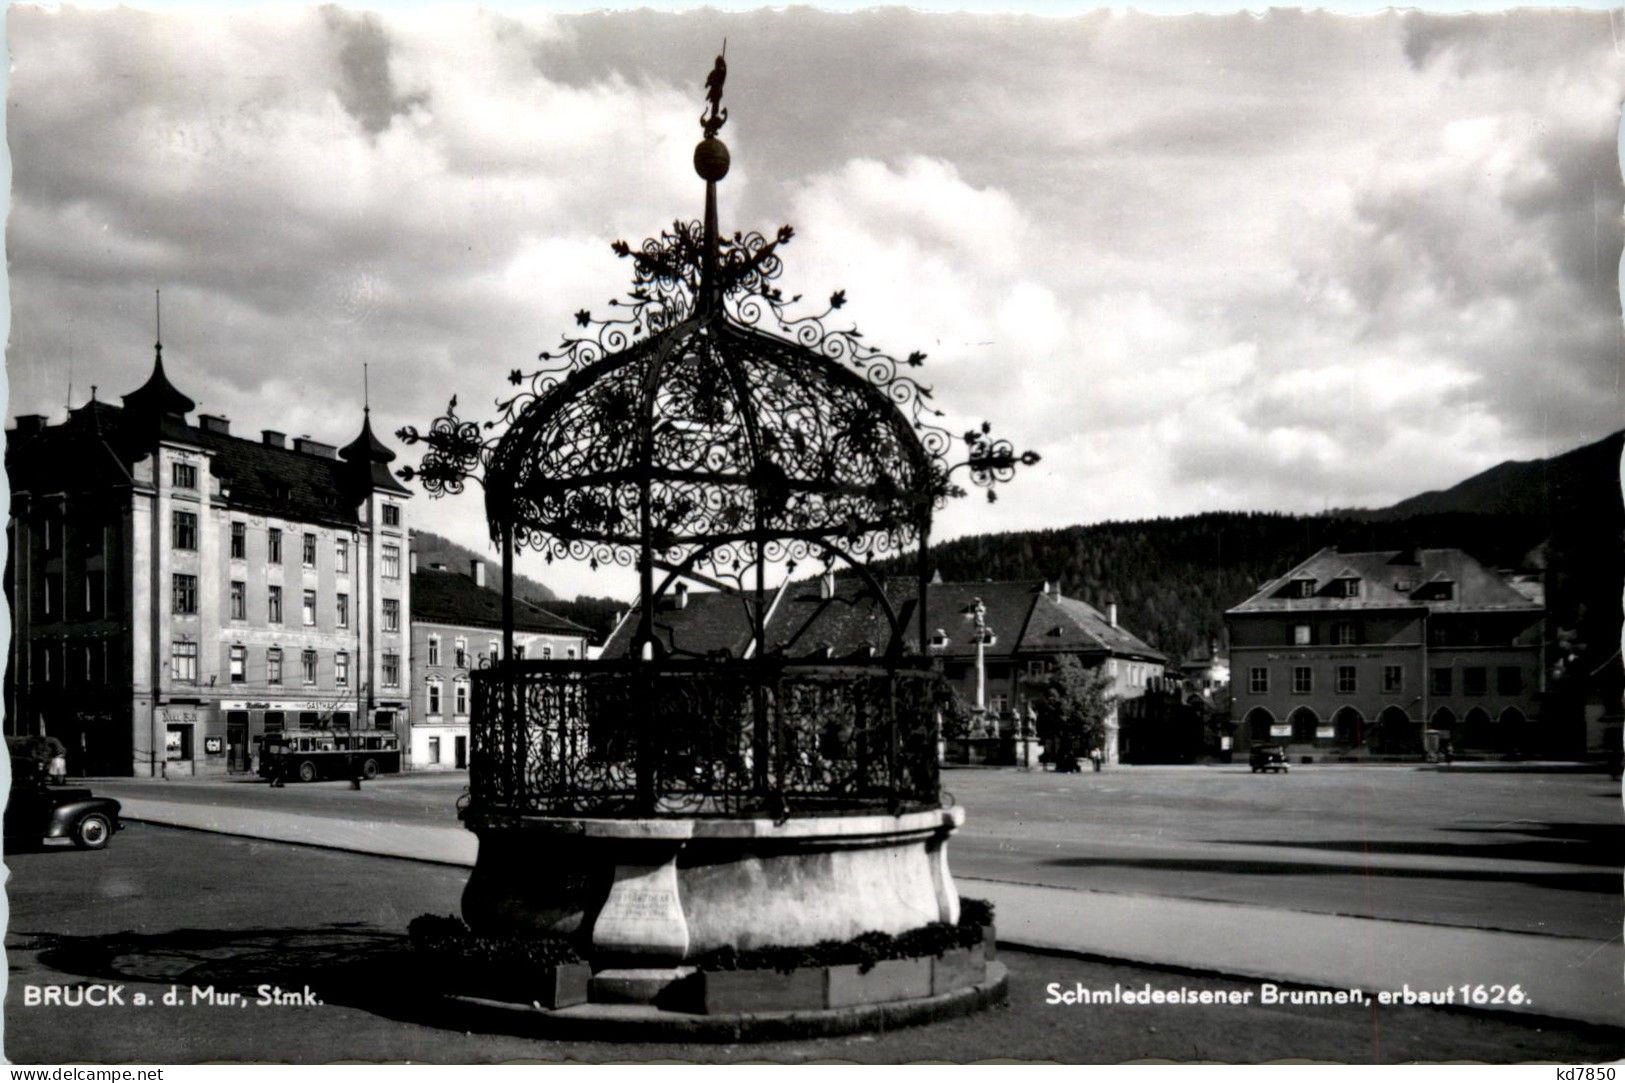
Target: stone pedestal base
(653, 892)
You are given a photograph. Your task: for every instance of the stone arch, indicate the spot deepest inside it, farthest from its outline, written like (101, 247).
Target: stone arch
(1443, 719)
(1395, 732)
(1259, 720)
(1477, 731)
(1304, 723)
(1349, 726)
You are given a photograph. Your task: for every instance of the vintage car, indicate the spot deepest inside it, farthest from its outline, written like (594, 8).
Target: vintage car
(1267, 758)
(38, 811)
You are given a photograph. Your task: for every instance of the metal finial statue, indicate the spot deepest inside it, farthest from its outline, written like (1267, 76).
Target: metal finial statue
(713, 122)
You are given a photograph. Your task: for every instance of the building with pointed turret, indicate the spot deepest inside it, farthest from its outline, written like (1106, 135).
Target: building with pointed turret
(178, 591)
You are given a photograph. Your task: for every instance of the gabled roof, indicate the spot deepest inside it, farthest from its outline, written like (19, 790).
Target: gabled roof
(368, 457)
(1392, 579)
(705, 624)
(849, 622)
(448, 597)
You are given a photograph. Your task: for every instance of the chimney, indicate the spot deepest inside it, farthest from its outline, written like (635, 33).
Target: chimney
(307, 446)
(1111, 613)
(826, 585)
(273, 438)
(214, 423)
(1053, 589)
(476, 571)
(412, 561)
(682, 596)
(28, 423)
(1213, 649)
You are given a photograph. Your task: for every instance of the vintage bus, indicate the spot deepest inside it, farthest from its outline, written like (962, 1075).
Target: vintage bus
(308, 755)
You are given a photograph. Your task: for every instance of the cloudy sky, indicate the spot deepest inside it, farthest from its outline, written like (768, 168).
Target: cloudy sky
(1205, 262)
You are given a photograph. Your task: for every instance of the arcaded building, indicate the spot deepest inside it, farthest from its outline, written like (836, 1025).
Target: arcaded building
(1360, 653)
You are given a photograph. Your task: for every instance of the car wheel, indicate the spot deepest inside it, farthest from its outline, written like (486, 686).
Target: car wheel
(307, 772)
(369, 769)
(92, 832)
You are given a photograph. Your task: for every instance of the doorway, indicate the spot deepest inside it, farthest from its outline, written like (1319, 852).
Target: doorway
(236, 742)
(462, 753)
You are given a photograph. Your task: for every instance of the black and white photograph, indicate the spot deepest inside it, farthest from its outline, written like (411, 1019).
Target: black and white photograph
(787, 536)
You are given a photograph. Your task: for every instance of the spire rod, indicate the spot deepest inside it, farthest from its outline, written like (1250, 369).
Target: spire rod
(366, 393)
(711, 161)
(158, 319)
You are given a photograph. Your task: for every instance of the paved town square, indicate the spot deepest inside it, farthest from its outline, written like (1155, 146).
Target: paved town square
(1528, 850)
(167, 909)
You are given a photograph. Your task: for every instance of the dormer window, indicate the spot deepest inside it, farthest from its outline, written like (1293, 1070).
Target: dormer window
(988, 637)
(939, 639)
(1301, 587)
(1348, 586)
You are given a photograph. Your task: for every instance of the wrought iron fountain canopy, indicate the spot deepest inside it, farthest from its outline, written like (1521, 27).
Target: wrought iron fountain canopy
(710, 429)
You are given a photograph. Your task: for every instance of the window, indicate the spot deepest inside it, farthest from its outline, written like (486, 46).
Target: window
(547, 652)
(92, 669)
(184, 595)
(1303, 680)
(1346, 680)
(569, 652)
(392, 614)
(310, 607)
(273, 671)
(239, 541)
(183, 475)
(1509, 680)
(53, 591)
(1348, 587)
(434, 750)
(273, 546)
(1345, 632)
(341, 556)
(1302, 635)
(95, 590)
(341, 668)
(392, 515)
(496, 650)
(47, 535)
(1439, 682)
(519, 651)
(462, 698)
(998, 704)
(434, 650)
(1302, 588)
(183, 663)
(342, 606)
(273, 721)
(392, 670)
(273, 605)
(239, 665)
(183, 529)
(239, 600)
(461, 658)
(1393, 678)
(392, 561)
(307, 666)
(434, 698)
(1035, 668)
(1475, 680)
(308, 552)
(1258, 680)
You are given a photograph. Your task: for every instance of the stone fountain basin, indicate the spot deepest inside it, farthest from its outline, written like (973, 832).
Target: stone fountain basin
(656, 891)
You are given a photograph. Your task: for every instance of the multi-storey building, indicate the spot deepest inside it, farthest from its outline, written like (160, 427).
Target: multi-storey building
(1025, 628)
(1361, 652)
(456, 628)
(177, 591)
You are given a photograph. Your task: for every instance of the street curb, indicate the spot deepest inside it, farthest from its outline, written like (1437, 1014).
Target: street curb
(329, 847)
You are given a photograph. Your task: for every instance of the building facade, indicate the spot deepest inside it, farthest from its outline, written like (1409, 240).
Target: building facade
(457, 628)
(177, 591)
(1361, 653)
